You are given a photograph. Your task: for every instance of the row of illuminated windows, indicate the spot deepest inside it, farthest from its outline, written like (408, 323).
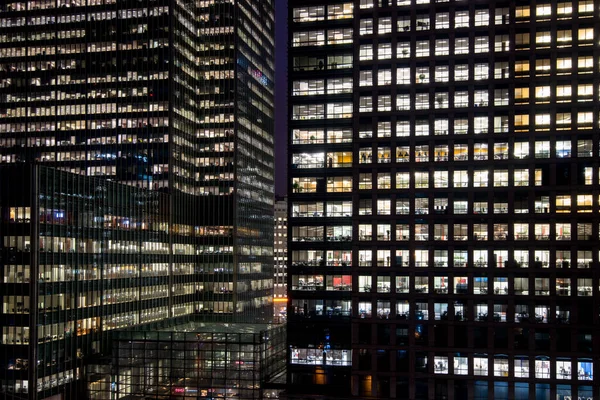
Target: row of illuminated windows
(480, 285)
(426, 101)
(71, 245)
(59, 302)
(542, 10)
(322, 111)
(82, 125)
(313, 87)
(482, 151)
(442, 127)
(423, 22)
(142, 12)
(322, 12)
(420, 179)
(75, 80)
(321, 62)
(322, 37)
(481, 312)
(458, 99)
(440, 73)
(562, 93)
(403, 128)
(455, 285)
(47, 4)
(442, 205)
(328, 356)
(51, 141)
(545, 11)
(560, 38)
(444, 73)
(420, 231)
(500, 365)
(457, 258)
(81, 48)
(541, 368)
(404, 49)
(78, 109)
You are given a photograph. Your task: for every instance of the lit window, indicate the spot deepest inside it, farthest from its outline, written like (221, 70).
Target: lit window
(403, 102)
(402, 180)
(366, 52)
(461, 72)
(585, 118)
(440, 179)
(384, 181)
(442, 21)
(461, 179)
(585, 34)
(403, 50)
(482, 44)
(366, 104)
(461, 19)
(421, 180)
(384, 77)
(482, 18)
(501, 178)
(422, 48)
(403, 76)
(365, 182)
(385, 25)
(442, 47)
(543, 38)
(461, 46)
(384, 51)
(366, 27)
(542, 119)
(365, 78)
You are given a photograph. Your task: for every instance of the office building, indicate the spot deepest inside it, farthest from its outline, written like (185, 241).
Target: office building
(443, 199)
(173, 99)
(280, 248)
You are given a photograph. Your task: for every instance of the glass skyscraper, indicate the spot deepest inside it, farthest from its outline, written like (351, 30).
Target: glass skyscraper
(157, 119)
(443, 198)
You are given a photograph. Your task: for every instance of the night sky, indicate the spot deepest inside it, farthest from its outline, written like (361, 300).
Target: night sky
(280, 96)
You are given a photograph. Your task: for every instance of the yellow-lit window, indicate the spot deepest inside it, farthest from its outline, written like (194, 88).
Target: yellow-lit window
(522, 95)
(585, 34)
(542, 119)
(563, 92)
(542, 66)
(587, 175)
(543, 11)
(402, 180)
(565, 9)
(522, 12)
(522, 120)
(586, 90)
(339, 184)
(563, 118)
(563, 204)
(543, 37)
(586, 7)
(542, 92)
(522, 68)
(564, 36)
(537, 177)
(585, 63)
(585, 118)
(522, 40)
(584, 203)
(564, 64)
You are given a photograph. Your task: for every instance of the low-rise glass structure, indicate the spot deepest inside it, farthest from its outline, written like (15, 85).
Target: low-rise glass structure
(193, 360)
